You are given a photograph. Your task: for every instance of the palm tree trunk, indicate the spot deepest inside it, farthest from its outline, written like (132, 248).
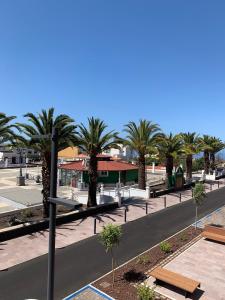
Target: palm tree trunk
(141, 172)
(206, 162)
(212, 161)
(93, 177)
(169, 165)
(189, 166)
(169, 170)
(46, 169)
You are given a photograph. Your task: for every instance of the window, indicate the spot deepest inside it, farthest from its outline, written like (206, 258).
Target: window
(103, 173)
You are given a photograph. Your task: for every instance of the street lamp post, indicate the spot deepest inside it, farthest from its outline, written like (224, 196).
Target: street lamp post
(19, 151)
(53, 201)
(20, 177)
(52, 215)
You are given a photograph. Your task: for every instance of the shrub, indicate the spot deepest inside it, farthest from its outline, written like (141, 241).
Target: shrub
(183, 237)
(165, 247)
(144, 292)
(26, 214)
(143, 260)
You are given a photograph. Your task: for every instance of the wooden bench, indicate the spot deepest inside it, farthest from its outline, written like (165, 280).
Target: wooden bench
(214, 233)
(184, 283)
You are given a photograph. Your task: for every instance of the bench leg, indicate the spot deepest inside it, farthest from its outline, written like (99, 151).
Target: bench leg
(186, 294)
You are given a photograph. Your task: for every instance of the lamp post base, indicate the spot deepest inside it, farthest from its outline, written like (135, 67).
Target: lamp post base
(20, 180)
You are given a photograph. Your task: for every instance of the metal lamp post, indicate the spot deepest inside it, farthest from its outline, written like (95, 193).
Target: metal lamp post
(53, 201)
(19, 151)
(20, 178)
(52, 215)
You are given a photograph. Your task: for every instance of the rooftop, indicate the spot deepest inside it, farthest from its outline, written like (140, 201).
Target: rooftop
(103, 165)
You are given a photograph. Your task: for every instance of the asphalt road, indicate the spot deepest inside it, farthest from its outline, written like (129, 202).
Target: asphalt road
(85, 261)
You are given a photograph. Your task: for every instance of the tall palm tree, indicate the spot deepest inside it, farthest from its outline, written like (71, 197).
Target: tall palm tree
(216, 146)
(190, 147)
(6, 128)
(93, 140)
(169, 147)
(142, 138)
(42, 124)
(206, 147)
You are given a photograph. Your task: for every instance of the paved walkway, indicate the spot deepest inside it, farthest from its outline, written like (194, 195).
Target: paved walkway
(13, 197)
(88, 293)
(203, 262)
(34, 245)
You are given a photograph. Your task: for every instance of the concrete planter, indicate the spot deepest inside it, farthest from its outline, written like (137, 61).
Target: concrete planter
(28, 228)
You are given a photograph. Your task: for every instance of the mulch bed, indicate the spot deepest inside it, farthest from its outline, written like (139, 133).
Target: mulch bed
(29, 215)
(134, 271)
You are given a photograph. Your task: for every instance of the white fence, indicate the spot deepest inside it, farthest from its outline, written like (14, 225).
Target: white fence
(113, 195)
(101, 199)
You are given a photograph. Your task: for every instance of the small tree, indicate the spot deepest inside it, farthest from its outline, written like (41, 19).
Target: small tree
(198, 197)
(110, 237)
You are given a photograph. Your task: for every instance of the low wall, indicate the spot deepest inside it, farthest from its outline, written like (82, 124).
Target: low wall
(171, 190)
(21, 230)
(101, 199)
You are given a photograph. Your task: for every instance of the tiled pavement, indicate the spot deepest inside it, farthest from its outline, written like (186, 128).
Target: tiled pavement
(204, 262)
(30, 246)
(90, 293)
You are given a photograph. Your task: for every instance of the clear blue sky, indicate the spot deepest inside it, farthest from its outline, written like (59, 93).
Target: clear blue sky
(116, 59)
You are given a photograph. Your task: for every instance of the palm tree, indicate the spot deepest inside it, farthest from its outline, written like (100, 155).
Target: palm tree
(142, 138)
(206, 147)
(190, 147)
(42, 124)
(216, 146)
(6, 129)
(169, 147)
(93, 141)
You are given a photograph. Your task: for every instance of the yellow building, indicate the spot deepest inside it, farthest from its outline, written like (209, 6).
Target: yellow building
(68, 154)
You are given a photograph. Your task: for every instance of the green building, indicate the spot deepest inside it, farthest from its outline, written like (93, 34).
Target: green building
(110, 172)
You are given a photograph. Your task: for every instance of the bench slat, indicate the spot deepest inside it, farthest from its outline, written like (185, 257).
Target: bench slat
(215, 229)
(213, 236)
(175, 279)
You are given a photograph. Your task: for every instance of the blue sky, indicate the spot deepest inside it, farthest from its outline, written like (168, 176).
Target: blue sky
(116, 59)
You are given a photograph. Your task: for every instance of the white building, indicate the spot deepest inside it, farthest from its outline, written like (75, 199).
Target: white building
(11, 156)
(124, 153)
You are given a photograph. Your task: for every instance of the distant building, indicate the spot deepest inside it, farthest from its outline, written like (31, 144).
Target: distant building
(123, 153)
(13, 156)
(68, 154)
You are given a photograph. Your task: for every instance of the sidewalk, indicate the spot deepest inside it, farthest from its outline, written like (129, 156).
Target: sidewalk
(24, 248)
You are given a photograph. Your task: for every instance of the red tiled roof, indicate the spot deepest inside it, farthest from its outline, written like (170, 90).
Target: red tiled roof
(84, 155)
(102, 166)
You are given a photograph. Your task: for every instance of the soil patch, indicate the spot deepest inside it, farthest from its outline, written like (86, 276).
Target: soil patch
(134, 272)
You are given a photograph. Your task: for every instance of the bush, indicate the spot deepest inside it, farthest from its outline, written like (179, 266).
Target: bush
(143, 260)
(183, 237)
(144, 292)
(26, 214)
(166, 247)
(198, 164)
